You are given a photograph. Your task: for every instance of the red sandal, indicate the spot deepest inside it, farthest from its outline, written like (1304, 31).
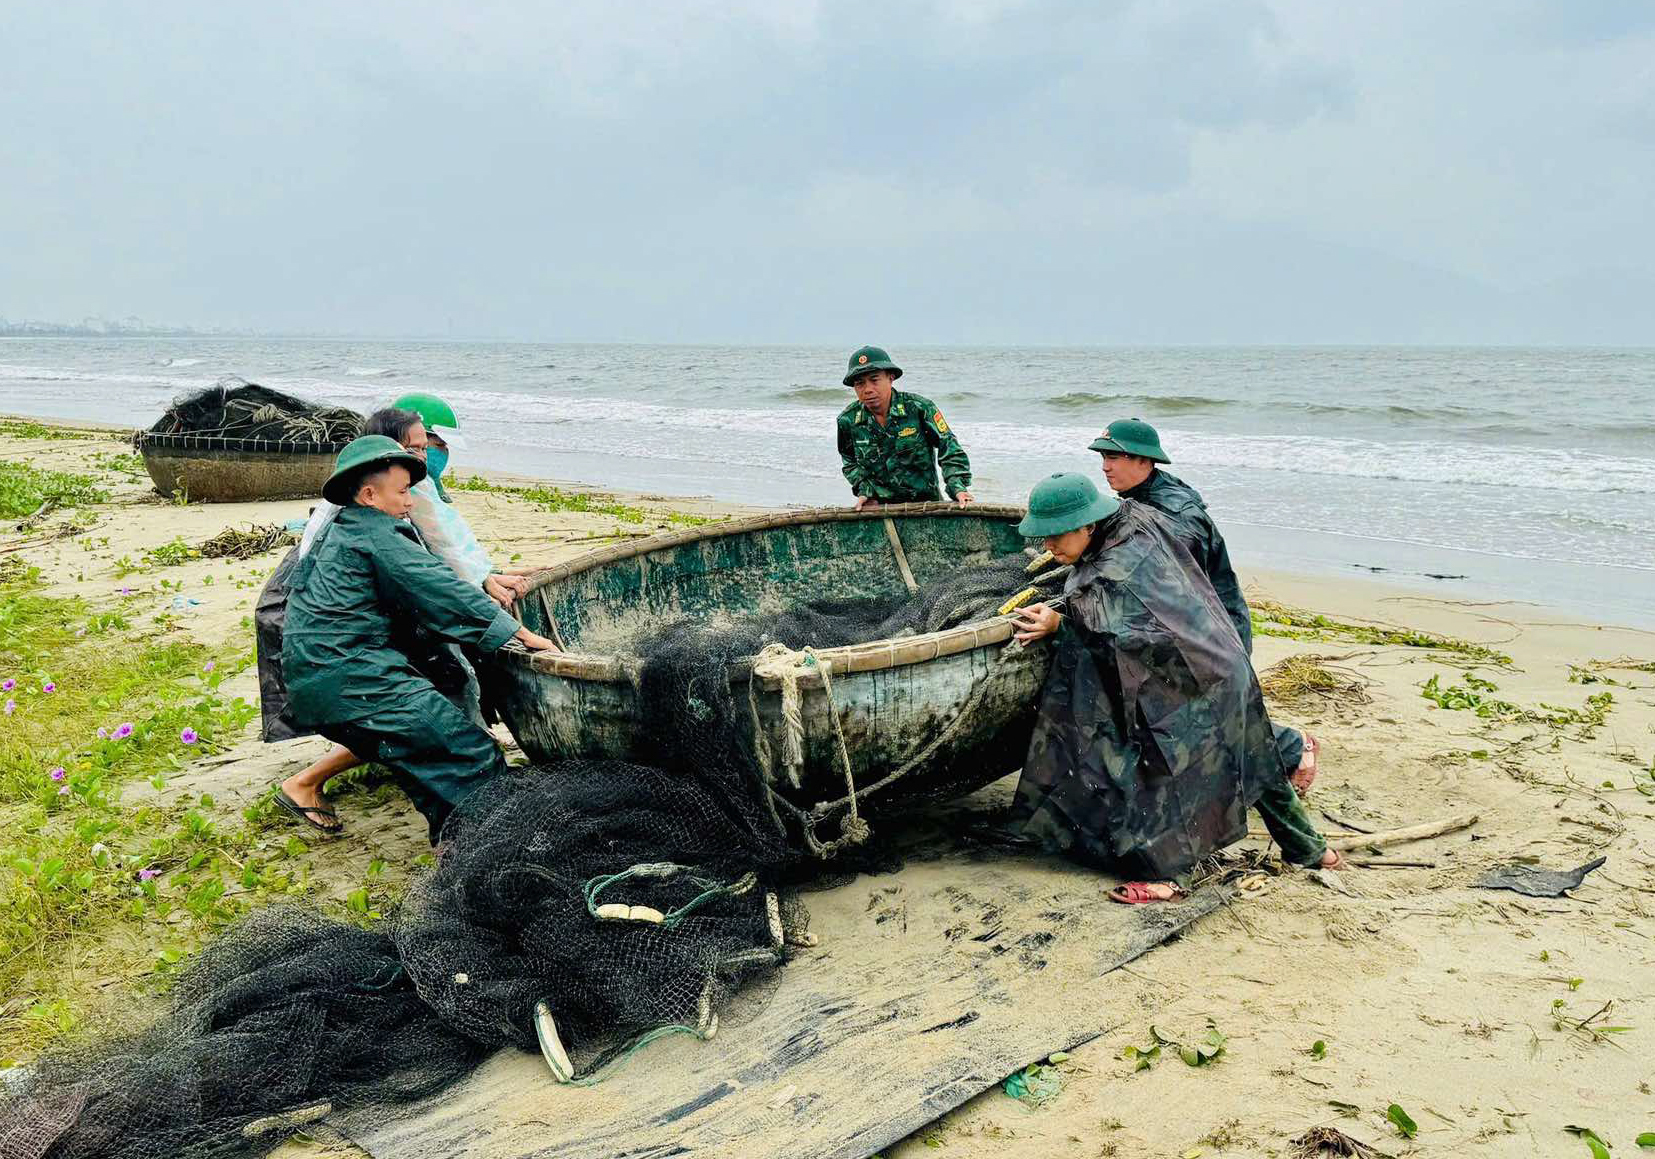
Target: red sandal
(1141, 892)
(1305, 776)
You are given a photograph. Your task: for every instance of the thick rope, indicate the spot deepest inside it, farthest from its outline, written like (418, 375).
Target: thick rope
(785, 666)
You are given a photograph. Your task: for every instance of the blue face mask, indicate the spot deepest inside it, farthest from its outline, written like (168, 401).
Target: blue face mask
(436, 461)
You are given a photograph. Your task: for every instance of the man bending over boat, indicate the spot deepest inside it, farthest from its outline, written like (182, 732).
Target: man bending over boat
(892, 443)
(444, 531)
(1152, 739)
(353, 603)
(1130, 449)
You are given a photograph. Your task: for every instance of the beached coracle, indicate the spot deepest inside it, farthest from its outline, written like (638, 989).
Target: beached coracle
(237, 442)
(924, 716)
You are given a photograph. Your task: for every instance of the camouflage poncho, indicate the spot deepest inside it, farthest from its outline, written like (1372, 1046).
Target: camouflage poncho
(1183, 505)
(1152, 738)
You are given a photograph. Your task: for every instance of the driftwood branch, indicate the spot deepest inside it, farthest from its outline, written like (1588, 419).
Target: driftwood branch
(1388, 837)
(1391, 863)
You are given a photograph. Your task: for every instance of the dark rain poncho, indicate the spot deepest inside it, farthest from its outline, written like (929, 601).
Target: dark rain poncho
(1152, 739)
(1187, 511)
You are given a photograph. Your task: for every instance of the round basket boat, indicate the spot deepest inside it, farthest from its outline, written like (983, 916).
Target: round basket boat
(216, 469)
(924, 717)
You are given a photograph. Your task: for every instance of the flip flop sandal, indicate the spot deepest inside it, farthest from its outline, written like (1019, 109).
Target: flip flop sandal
(303, 813)
(1140, 893)
(1253, 883)
(1314, 748)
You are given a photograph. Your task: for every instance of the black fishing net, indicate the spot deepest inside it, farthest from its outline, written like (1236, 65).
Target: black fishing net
(244, 410)
(579, 910)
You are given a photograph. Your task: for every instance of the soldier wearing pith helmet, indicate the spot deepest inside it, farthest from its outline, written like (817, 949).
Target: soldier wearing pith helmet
(1132, 463)
(892, 443)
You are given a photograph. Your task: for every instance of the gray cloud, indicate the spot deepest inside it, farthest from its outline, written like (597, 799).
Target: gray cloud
(1208, 170)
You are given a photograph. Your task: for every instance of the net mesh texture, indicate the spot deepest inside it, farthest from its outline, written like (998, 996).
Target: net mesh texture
(580, 910)
(235, 409)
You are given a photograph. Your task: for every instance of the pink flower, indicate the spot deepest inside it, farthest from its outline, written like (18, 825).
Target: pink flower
(63, 790)
(11, 706)
(211, 664)
(103, 734)
(189, 736)
(124, 731)
(58, 773)
(8, 684)
(148, 874)
(126, 591)
(49, 686)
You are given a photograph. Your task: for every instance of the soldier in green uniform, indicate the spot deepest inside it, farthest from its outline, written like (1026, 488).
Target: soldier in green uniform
(1131, 450)
(366, 598)
(1152, 738)
(892, 443)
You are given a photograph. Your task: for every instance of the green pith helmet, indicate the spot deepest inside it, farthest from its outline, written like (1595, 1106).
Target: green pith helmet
(436, 414)
(1131, 437)
(1065, 502)
(362, 456)
(870, 358)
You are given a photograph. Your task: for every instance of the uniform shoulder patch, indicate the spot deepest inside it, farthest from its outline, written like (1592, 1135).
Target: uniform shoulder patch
(942, 423)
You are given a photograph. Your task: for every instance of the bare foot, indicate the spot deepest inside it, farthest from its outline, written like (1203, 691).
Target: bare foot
(1333, 859)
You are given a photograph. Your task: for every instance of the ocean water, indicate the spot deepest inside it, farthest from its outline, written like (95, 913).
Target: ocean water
(1507, 473)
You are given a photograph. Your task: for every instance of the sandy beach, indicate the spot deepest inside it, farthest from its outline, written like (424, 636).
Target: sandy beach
(1478, 1012)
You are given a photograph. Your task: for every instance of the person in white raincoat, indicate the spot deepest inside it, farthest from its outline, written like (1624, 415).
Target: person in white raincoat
(444, 532)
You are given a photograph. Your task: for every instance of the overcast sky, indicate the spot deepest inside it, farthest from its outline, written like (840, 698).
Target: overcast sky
(964, 171)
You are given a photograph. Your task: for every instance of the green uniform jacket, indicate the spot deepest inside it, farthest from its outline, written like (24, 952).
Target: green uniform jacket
(898, 462)
(363, 589)
(1183, 505)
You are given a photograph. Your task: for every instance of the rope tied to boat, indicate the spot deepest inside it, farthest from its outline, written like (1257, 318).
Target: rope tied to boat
(786, 665)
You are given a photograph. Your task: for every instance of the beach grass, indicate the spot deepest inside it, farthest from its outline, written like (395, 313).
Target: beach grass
(95, 707)
(25, 489)
(557, 499)
(30, 429)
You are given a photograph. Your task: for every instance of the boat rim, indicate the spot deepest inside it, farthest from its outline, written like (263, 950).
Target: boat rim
(870, 656)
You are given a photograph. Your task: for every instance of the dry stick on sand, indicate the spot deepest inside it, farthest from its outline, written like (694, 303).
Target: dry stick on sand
(1391, 863)
(1388, 837)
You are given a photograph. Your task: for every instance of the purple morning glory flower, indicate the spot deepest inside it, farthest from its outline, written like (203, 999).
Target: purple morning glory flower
(211, 664)
(49, 686)
(126, 591)
(148, 874)
(124, 731)
(11, 707)
(59, 774)
(103, 734)
(189, 736)
(63, 790)
(8, 684)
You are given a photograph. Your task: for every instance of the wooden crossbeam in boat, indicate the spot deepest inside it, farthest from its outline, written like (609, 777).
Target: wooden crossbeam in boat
(901, 556)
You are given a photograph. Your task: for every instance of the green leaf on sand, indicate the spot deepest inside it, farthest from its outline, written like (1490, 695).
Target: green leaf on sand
(1647, 1139)
(1593, 1141)
(1399, 1118)
(1318, 1050)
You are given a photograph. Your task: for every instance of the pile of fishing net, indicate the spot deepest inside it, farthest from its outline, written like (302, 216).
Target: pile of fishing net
(579, 910)
(236, 409)
(539, 927)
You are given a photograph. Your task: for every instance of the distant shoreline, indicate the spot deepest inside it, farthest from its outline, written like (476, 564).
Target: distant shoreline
(1264, 555)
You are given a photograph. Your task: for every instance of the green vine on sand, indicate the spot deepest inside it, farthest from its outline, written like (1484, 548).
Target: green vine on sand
(1273, 619)
(557, 499)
